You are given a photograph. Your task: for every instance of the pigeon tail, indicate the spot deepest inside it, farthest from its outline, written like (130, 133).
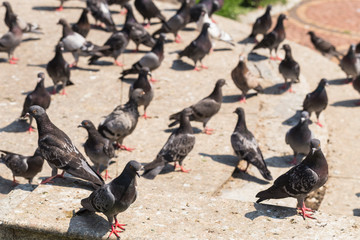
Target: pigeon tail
(176, 117)
(154, 168)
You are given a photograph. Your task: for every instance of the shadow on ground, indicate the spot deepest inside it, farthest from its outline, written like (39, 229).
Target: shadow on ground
(270, 211)
(346, 103)
(180, 65)
(87, 223)
(16, 126)
(237, 97)
(229, 160)
(293, 120)
(281, 161)
(247, 177)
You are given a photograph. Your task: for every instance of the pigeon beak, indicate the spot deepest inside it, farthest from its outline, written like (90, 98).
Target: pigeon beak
(80, 126)
(149, 74)
(137, 174)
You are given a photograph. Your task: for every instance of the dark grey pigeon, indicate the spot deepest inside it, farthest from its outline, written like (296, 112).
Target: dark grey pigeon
(100, 11)
(39, 97)
(246, 146)
(56, 147)
(151, 60)
(317, 100)
(262, 24)
(82, 26)
(11, 40)
(143, 83)
(114, 197)
(176, 148)
(99, 149)
(59, 69)
(205, 109)
(122, 121)
(289, 68)
(299, 181)
(356, 85)
(273, 39)
(23, 166)
(299, 137)
(323, 46)
(350, 64)
(149, 10)
(198, 48)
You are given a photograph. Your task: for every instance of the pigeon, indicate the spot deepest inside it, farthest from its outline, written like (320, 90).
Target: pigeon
(176, 22)
(205, 109)
(99, 149)
(299, 137)
(114, 197)
(323, 46)
(58, 69)
(289, 68)
(317, 100)
(350, 64)
(262, 24)
(82, 27)
(356, 85)
(22, 166)
(11, 40)
(24, 26)
(210, 6)
(143, 83)
(39, 97)
(176, 148)
(117, 42)
(100, 11)
(299, 181)
(244, 79)
(151, 60)
(56, 147)
(122, 121)
(273, 39)
(198, 48)
(246, 146)
(148, 10)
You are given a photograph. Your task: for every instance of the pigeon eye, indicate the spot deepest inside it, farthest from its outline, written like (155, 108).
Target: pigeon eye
(85, 123)
(34, 111)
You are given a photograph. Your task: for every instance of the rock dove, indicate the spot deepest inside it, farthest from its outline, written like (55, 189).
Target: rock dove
(262, 24)
(122, 121)
(210, 6)
(151, 60)
(11, 40)
(143, 83)
(244, 79)
(289, 68)
(356, 85)
(350, 64)
(176, 22)
(149, 10)
(198, 48)
(114, 197)
(22, 166)
(317, 100)
(99, 149)
(205, 109)
(246, 146)
(323, 46)
(100, 11)
(56, 147)
(299, 137)
(274, 38)
(82, 27)
(39, 97)
(300, 180)
(58, 69)
(176, 148)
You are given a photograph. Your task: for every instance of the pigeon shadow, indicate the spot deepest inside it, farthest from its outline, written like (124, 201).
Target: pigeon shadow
(246, 41)
(70, 182)
(236, 98)
(222, 49)
(195, 130)
(52, 8)
(29, 39)
(356, 212)
(229, 160)
(84, 69)
(87, 225)
(169, 9)
(133, 51)
(346, 103)
(188, 29)
(3, 60)
(247, 177)
(293, 120)
(254, 57)
(16, 126)
(276, 89)
(6, 185)
(282, 161)
(272, 211)
(180, 65)
(37, 65)
(357, 194)
(102, 63)
(338, 81)
(128, 80)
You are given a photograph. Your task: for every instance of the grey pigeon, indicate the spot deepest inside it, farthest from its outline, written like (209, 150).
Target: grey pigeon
(323, 46)
(210, 6)
(350, 64)
(198, 48)
(356, 85)
(114, 197)
(149, 10)
(246, 146)
(39, 97)
(11, 40)
(82, 26)
(273, 39)
(317, 100)
(143, 83)
(300, 180)
(244, 79)
(262, 24)
(176, 148)
(100, 11)
(99, 149)
(151, 60)
(23, 166)
(59, 69)
(122, 121)
(205, 109)
(56, 147)
(289, 68)
(299, 137)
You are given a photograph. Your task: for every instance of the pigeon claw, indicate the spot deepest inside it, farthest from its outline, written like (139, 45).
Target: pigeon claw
(123, 147)
(184, 170)
(74, 64)
(113, 230)
(63, 92)
(49, 179)
(319, 124)
(30, 130)
(107, 175)
(208, 131)
(242, 99)
(303, 212)
(118, 63)
(204, 67)
(59, 9)
(123, 12)
(197, 69)
(145, 116)
(153, 80)
(146, 25)
(12, 61)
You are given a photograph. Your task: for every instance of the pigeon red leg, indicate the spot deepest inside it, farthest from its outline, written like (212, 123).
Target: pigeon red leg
(290, 90)
(197, 69)
(117, 224)
(242, 99)
(208, 131)
(12, 61)
(204, 67)
(74, 64)
(118, 63)
(63, 92)
(107, 175)
(114, 231)
(30, 130)
(123, 11)
(49, 179)
(14, 182)
(178, 39)
(303, 212)
(146, 25)
(15, 59)
(123, 147)
(59, 9)
(184, 170)
(319, 124)
(145, 116)
(213, 20)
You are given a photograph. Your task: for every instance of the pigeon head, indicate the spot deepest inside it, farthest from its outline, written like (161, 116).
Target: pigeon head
(59, 47)
(286, 47)
(324, 82)
(311, 33)
(6, 4)
(87, 124)
(282, 17)
(41, 76)
(239, 111)
(315, 145)
(36, 111)
(133, 167)
(137, 94)
(268, 8)
(304, 116)
(162, 36)
(206, 26)
(220, 82)
(187, 112)
(62, 21)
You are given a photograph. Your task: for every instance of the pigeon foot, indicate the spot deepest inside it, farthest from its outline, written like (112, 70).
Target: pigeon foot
(242, 99)
(123, 147)
(123, 12)
(12, 62)
(290, 90)
(117, 224)
(303, 212)
(184, 170)
(30, 130)
(63, 92)
(197, 69)
(319, 124)
(145, 116)
(208, 131)
(15, 59)
(114, 231)
(59, 9)
(153, 80)
(107, 175)
(118, 63)
(146, 26)
(204, 67)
